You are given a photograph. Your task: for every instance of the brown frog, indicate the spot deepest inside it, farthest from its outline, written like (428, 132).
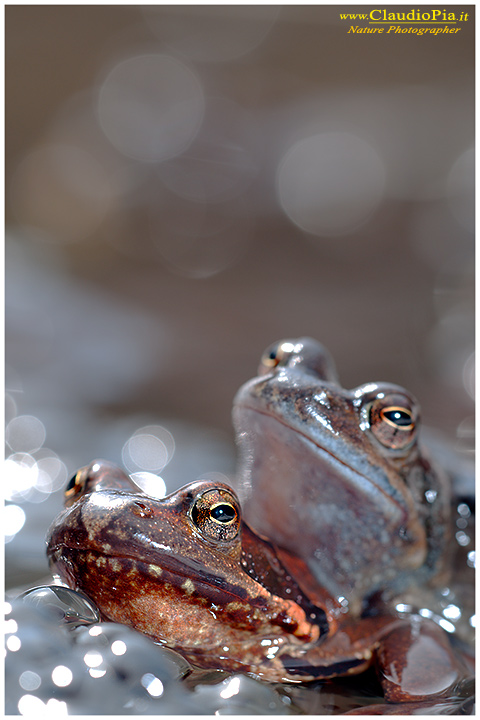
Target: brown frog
(338, 477)
(188, 572)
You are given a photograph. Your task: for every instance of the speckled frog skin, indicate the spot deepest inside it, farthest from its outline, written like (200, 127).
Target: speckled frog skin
(189, 573)
(338, 476)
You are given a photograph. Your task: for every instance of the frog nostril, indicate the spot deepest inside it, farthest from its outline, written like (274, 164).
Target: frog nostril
(142, 509)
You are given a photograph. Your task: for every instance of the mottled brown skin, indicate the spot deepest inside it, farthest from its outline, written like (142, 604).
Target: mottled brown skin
(189, 573)
(338, 477)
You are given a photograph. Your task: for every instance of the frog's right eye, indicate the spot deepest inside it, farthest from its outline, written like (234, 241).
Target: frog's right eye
(75, 487)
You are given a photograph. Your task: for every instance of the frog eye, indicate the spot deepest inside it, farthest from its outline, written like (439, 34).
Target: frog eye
(75, 486)
(216, 514)
(393, 420)
(277, 354)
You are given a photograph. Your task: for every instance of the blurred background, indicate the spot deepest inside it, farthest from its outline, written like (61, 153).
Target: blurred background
(186, 185)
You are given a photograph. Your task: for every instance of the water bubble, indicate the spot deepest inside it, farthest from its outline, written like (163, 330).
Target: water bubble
(150, 107)
(330, 183)
(68, 605)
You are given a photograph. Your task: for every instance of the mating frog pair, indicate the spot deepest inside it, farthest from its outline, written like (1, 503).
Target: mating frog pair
(343, 512)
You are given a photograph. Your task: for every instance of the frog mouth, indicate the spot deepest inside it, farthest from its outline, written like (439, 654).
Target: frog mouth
(76, 564)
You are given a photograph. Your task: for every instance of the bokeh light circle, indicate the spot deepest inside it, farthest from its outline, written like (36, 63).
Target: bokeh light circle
(150, 107)
(330, 183)
(149, 449)
(461, 189)
(25, 433)
(209, 33)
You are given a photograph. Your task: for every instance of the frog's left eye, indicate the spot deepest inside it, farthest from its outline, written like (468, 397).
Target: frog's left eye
(216, 514)
(277, 354)
(393, 420)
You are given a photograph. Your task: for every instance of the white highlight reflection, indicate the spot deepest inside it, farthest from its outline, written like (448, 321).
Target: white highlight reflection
(232, 688)
(152, 684)
(62, 676)
(93, 659)
(118, 647)
(150, 483)
(13, 520)
(33, 480)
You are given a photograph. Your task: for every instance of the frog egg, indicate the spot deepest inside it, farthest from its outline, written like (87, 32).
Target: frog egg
(146, 673)
(39, 666)
(69, 606)
(32, 632)
(131, 656)
(51, 670)
(240, 695)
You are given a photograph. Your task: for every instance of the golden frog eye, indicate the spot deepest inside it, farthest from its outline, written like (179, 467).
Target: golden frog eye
(216, 514)
(277, 354)
(393, 420)
(75, 487)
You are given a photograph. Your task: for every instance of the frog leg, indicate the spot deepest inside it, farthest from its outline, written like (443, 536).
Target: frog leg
(349, 650)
